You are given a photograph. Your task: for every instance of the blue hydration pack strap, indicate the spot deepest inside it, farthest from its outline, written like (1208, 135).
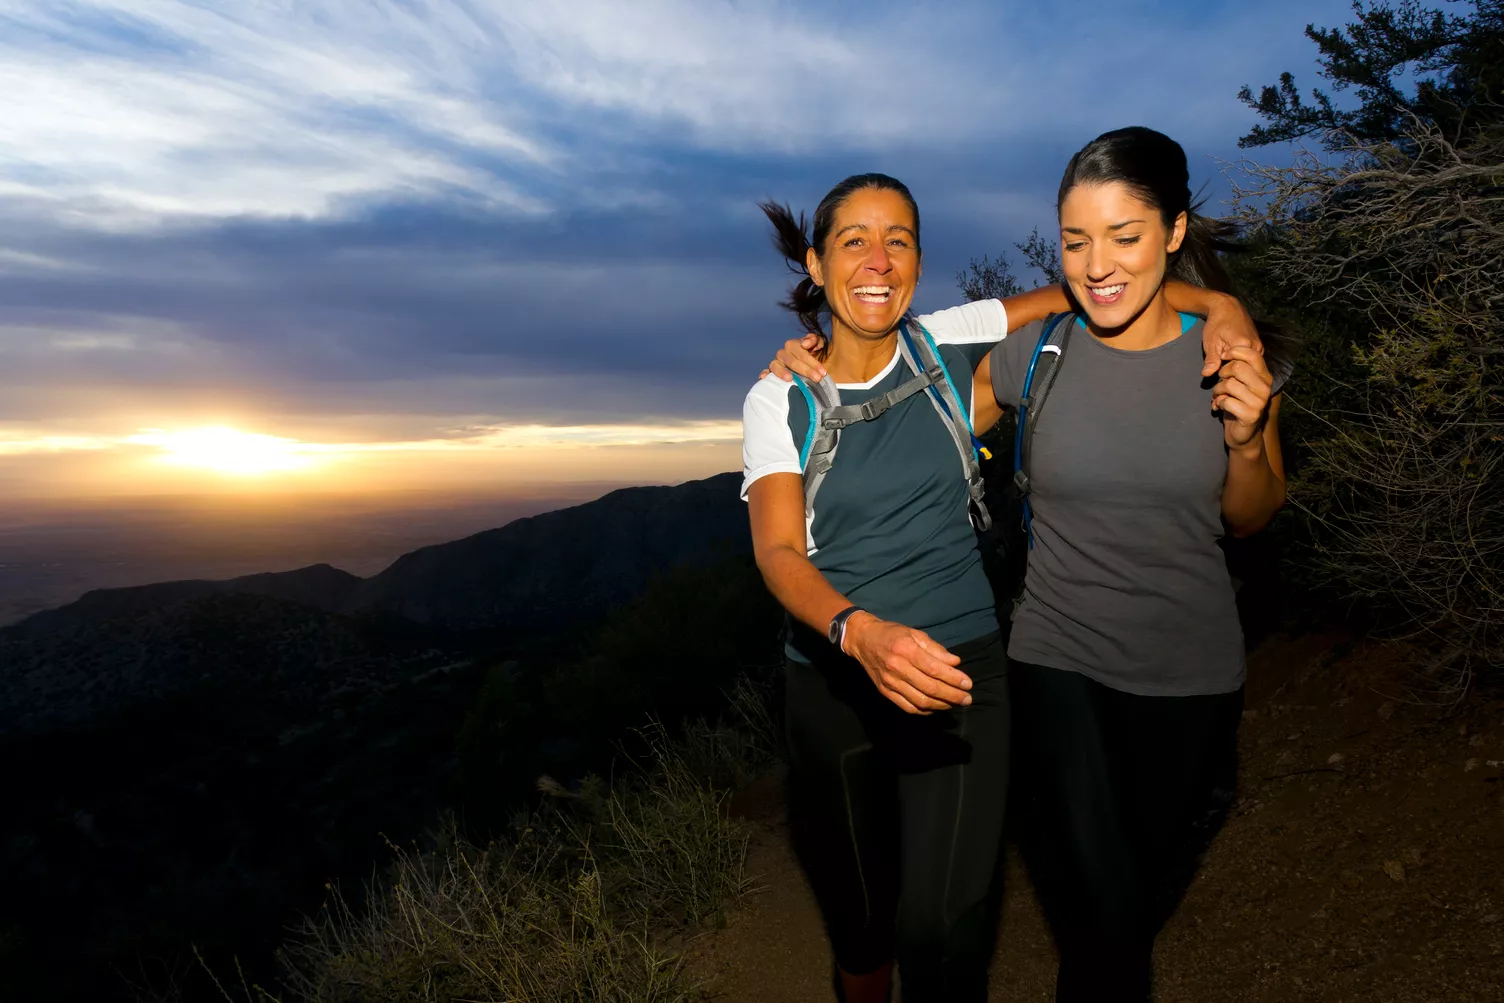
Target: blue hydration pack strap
(814, 419)
(1032, 400)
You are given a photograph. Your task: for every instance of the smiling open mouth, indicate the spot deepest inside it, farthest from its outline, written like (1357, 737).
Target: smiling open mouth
(876, 295)
(1106, 294)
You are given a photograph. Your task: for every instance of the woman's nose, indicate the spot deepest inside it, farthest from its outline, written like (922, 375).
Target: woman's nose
(1099, 263)
(878, 259)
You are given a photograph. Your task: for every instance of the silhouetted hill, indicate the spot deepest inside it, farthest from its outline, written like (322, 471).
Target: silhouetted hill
(319, 585)
(568, 566)
(225, 641)
(539, 573)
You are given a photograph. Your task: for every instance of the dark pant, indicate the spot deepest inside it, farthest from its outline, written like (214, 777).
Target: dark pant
(898, 820)
(1120, 795)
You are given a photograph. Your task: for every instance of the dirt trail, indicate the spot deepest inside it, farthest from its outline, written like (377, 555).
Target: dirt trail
(1364, 860)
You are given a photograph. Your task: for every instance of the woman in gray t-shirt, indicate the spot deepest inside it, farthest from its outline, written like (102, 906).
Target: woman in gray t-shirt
(1126, 654)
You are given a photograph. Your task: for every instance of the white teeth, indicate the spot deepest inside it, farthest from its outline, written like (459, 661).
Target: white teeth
(1106, 291)
(872, 290)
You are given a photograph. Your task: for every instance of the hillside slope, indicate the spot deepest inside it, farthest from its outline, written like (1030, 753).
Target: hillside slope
(562, 567)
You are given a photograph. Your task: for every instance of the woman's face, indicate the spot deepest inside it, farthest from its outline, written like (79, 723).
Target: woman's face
(870, 263)
(1114, 250)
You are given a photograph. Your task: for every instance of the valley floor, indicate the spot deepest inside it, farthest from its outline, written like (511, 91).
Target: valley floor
(1364, 860)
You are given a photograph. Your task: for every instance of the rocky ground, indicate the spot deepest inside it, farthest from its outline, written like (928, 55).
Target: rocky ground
(1364, 860)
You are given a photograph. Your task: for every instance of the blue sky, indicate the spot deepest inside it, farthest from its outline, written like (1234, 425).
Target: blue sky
(431, 221)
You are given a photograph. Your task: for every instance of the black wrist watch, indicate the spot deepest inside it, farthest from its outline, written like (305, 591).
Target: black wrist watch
(836, 633)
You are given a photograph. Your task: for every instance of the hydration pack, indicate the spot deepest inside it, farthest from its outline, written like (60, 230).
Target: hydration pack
(828, 416)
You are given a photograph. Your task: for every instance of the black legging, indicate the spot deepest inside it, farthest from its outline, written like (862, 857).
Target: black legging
(1120, 795)
(898, 820)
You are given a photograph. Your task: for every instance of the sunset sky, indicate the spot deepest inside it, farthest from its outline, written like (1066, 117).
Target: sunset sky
(353, 244)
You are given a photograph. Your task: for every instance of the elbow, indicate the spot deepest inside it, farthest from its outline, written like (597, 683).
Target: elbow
(1251, 523)
(770, 556)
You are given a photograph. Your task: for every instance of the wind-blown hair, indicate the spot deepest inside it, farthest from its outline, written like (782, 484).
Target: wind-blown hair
(793, 240)
(1154, 168)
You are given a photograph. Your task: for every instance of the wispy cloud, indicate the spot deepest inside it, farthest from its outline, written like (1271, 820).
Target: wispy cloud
(125, 111)
(200, 444)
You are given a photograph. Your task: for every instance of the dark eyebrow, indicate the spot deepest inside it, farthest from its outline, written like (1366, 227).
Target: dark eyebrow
(1115, 226)
(863, 226)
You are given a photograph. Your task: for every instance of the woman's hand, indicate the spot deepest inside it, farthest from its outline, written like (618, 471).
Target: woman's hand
(1228, 325)
(1243, 392)
(795, 357)
(906, 665)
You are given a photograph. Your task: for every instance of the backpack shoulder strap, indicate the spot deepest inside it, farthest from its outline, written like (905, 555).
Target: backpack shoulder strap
(923, 357)
(819, 449)
(1044, 365)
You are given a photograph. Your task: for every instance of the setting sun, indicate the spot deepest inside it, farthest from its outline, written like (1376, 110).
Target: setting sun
(227, 450)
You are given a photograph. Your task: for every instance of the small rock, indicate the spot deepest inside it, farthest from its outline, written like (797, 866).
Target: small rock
(1293, 737)
(1413, 855)
(1334, 759)
(1462, 728)
(1491, 918)
(1471, 765)
(1394, 869)
(1476, 741)
(1386, 711)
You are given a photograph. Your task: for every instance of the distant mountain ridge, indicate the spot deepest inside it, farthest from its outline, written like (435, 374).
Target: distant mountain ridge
(118, 648)
(319, 585)
(539, 571)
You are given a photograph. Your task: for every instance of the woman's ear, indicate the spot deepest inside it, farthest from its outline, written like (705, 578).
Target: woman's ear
(1177, 233)
(812, 266)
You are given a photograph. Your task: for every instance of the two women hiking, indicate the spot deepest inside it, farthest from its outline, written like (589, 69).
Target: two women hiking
(1120, 690)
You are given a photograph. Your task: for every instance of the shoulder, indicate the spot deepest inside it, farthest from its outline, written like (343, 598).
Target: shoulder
(770, 439)
(770, 392)
(982, 322)
(1010, 362)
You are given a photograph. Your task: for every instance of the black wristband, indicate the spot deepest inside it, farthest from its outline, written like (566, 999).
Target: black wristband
(836, 632)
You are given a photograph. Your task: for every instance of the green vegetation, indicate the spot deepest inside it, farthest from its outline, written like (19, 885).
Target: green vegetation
(1385, 252)
(574, 905)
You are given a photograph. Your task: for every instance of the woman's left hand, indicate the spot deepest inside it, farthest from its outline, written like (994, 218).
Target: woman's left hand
(1242, 395)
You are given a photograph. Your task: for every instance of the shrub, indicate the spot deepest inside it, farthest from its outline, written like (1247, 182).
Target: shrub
(1399, 248)
(570, 907)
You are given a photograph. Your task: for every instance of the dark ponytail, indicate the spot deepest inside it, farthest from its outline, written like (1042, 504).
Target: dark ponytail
(806, 299)
(1154, 168)
(793, 241)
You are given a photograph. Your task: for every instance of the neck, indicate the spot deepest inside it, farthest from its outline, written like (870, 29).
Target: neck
(1155, 325)
(856, 356)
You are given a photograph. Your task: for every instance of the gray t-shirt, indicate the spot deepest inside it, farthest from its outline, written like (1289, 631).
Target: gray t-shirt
(1126, 583)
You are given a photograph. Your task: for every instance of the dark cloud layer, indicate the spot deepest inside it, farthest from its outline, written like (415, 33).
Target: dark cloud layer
(634, 278)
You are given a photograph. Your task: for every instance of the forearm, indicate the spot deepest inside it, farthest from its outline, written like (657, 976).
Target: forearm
(1036, 304)
(1198, 301)
(1253, 491)
(799, 586)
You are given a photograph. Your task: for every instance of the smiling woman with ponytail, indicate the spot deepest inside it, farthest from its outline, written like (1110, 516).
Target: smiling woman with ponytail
(897, 691)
